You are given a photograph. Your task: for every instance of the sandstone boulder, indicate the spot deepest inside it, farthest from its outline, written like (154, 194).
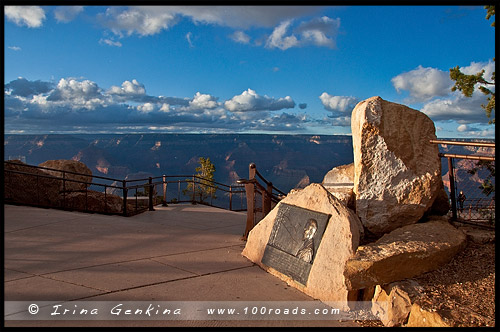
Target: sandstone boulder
(338, 244)
(70, 166)
(32, 186)
(420, 317)
(397, 173)
(392, 303)
(340, 183)
(405, 252)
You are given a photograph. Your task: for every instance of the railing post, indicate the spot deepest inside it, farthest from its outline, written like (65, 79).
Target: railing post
(252, 170)
(151, 196)
(136, 201)
(37, 191)
(194, 193)
(164, 189)
(125, 191)
(178, 190)
(230, 198)
(452, 189)
(86, 199)
(64, 189)
(250, 192)
(266, 203)
(105, 199)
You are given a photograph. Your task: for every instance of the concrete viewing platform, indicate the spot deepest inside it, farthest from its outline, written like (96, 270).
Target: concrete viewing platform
(181, 252)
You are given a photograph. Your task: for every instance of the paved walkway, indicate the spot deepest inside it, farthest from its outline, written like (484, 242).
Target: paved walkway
(176, 253)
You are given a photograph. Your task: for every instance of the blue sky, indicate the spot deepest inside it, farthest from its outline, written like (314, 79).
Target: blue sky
(227, 69)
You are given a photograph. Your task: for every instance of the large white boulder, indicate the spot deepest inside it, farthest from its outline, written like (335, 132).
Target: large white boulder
(397, 171)
(404, 253)
(340, 182)
(340, 239)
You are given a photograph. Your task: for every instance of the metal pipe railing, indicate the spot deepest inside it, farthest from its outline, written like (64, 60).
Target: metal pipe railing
(149, 183)
(463, 143)
(451, 168)
(467, 156)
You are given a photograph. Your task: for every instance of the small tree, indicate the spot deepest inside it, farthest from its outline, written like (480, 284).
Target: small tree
(203, 184)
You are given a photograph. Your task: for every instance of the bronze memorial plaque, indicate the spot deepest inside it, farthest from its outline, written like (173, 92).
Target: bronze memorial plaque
(294, 241)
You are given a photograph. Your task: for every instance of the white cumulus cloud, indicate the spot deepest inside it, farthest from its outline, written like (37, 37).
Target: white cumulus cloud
(476, 67)
(68, 89)
(165, 108)
(320, 31)
(459, 108)
(77, 105)
(203, 101)
(454, 105)
(278, 38)
(341, 104)
(340, 108)
(423, 83)
(249, 100)
(30, 16)
(146, 108)
(149, 20)
(75, 94)
(144, 21)
(128, 88)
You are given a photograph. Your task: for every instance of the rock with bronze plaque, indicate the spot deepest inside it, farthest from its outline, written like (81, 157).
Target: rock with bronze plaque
(294, 241)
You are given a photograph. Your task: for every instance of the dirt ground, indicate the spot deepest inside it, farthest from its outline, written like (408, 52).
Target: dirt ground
(462, 291)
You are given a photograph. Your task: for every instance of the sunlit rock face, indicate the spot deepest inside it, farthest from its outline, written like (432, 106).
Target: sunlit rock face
(397, 171)
(339, 181)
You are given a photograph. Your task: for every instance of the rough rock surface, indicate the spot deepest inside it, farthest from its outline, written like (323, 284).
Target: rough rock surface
(339, 242)
(33, 188)
(397, 173)
(423, 318)
(393, 302)
(405, 252)
(69, 166)
(340, 182)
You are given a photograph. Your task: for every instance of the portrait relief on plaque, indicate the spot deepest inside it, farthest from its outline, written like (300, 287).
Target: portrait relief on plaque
(294, 241)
